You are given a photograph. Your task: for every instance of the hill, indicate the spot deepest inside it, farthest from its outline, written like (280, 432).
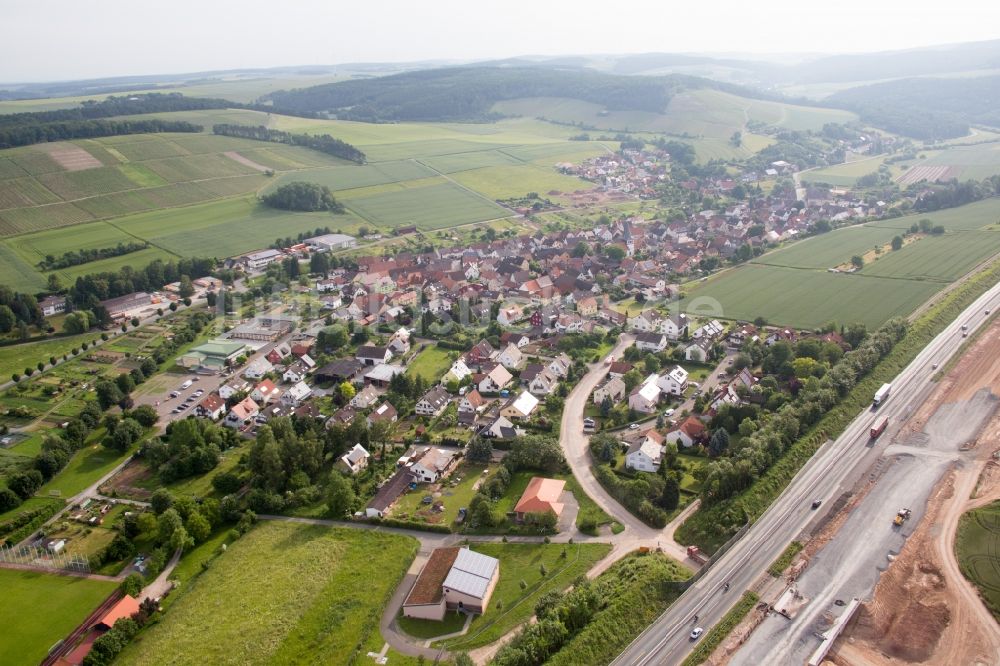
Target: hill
(469, 93)
(925, 108)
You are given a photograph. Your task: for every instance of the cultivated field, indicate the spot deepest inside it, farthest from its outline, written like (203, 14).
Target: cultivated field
(284, 593)
(38, 610)
(704, 113)
(806, 298)
(942, 258)
(428, 204)
(976, 545)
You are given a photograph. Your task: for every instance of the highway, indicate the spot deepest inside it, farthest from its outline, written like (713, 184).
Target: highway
(833, 469)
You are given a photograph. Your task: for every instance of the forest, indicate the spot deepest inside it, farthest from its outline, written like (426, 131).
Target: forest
(468, 93)
(323, 143)
(925, 108)
(303, 196)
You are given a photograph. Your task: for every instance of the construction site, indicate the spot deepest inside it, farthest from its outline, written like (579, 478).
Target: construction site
(883, 553)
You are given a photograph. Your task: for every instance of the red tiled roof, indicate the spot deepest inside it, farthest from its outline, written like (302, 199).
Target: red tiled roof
(428, 588)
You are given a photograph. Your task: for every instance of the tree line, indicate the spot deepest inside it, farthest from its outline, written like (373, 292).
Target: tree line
(89, 290)
(85, 256)
(323, 143)
(26, 135)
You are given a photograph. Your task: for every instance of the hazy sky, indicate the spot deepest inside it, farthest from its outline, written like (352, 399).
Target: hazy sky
(70, 39)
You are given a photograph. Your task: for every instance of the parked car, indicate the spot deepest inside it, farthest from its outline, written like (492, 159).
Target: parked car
(633, 426)
(669, 412)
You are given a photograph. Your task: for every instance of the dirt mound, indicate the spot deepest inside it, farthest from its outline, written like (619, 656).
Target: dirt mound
(909, 614)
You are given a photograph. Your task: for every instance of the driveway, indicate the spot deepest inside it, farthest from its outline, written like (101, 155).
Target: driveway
(571, 507)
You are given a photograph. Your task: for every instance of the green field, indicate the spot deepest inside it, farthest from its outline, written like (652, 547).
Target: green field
(522, 562)
(504, 182)
(16, 357)
(976, 162)
(942, 258)
(284, 593)
(39, 610)
(428, 206)
(976, 215)
(848, 173)
(830, 249)
(976, 546)
(431, 363)
(84, 468)
(806, 298)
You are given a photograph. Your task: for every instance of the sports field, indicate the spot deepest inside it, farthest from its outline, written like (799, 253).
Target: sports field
(976, 546)
(38, 610)
(284, 593)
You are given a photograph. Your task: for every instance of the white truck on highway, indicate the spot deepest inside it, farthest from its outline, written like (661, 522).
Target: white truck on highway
(881, 395)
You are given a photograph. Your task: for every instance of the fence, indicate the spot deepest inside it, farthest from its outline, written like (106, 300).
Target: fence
(35, 556)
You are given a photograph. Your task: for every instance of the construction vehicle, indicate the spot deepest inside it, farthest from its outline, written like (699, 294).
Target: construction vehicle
(879, 427)
(901, 516)
(881, 394)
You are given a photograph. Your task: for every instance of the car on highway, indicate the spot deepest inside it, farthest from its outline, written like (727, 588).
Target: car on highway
(633, 426)
(987, 311)
(696, 633)
(816, 503)
(934, 366)
(965, 327)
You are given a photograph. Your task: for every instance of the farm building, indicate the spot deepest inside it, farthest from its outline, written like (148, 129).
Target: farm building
(453, 579)
(331, 242)
(120, 306)
(262, 330)
(389, 492)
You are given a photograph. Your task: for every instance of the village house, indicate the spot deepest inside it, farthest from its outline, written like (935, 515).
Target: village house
(500, 428)
(384, 413)
(651, 342)
(399, 341)
(458, 371)
(264, 392)
(674, 326)
(495, 380)
(433, 402)
(511, 357)
(689, 432)
(612, 388)
(364, 398)
(472, 401)
(296, 394)
(541, 496)
(520, 408)
(211, 407)
(619, 368)
(355, 460)
(258, 368)
(242, 413)
(646, 321)
(560, 365)
(543, 383)
(673, 382)
(645, 455)
(699, 350)
(234, 386)
(646, 397)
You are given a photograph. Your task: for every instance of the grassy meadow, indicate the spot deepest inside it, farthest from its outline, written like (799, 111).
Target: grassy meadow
(284, 593)
(40, 609)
